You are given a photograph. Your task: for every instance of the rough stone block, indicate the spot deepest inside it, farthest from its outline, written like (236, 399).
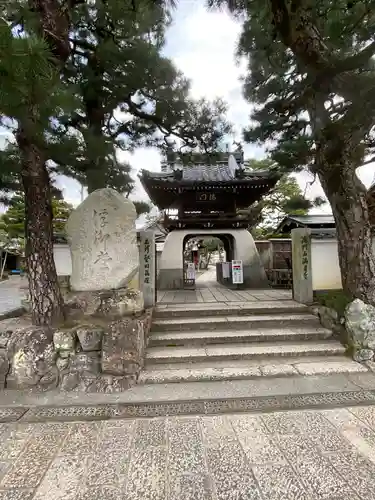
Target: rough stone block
(85, 362)
(110, 304)
(64, 340)
(90, 337)
(9, 326)
(4, 368)
(32, 355)
(360, 324)
(62, 364)
(123, 347)
(109, 384)
(363, 355)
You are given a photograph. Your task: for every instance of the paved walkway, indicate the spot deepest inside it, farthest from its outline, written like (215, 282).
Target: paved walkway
(306, 455)
(221, 294)
(208, 279)
(208, 290)
(10, 295)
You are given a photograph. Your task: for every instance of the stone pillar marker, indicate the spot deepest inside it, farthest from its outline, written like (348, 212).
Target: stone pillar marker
(302, 270)
(103, 242)
(147, 267)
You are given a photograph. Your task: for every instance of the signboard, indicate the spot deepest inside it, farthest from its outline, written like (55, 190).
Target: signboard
(190, 272)
(237, 272)
(206, 196)
(147, 266)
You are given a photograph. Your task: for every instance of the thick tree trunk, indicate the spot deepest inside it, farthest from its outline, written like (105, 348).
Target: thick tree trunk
(348, 198)
(45, 295)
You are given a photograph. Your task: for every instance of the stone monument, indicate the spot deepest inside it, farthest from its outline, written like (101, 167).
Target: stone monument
(100, 347)
(103, 242)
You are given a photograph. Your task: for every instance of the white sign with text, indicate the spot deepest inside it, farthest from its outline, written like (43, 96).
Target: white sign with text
(237, 272)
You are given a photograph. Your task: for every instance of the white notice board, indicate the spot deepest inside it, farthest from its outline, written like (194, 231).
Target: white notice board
(237, 272)
(190, 273)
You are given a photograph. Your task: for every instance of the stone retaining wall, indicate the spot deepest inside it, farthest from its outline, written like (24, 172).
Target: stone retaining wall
(99, 349)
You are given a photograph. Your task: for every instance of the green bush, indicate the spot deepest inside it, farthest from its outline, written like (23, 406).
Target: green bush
(335, 299)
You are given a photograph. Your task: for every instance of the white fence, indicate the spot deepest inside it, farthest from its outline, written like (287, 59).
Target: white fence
(63, 260)
(315, 265)
(325, 267)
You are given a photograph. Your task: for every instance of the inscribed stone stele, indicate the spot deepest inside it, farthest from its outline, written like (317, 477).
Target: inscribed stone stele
(103, 242)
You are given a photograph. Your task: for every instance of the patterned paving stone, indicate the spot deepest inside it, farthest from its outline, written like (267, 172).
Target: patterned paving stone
(312, 455)
(295, 422)
(279, 482)
(187, 472)
(365, 414)
(314, 470)
(360, 471)
(81, 440)
(147, 473)
(26, 472)
(231, 473)
(109, 463)
(12, 443)
(101, 493)
(63, 479)
(147, 470)
(32, 463)
(16, 494)
(355, 431)
(4, 467)
(258, 447)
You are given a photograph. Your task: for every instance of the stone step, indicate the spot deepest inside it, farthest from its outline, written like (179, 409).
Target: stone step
(229, 309)
(241, 351)
(236, 322)
(238, 370)
(199, 337)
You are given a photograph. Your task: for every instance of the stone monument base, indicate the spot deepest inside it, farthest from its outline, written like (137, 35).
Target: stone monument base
(100, 347)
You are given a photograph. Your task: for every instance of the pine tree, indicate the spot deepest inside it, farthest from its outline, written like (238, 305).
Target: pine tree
(27, 69)
(107, 55)
(311, 77)
(13, 222)
(129, 95)
(286, 198)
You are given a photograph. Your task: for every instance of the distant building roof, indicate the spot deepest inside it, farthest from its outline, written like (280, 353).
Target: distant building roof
(209, 173)
(238, 186)
(318, 221)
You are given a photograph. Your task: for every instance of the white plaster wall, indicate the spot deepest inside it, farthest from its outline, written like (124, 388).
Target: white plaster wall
(244, 246)
(63, 260)
(325, 264)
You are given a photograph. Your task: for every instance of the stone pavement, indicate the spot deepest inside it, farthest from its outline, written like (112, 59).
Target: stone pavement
(305, 455)
(209, 291)
(220, 294)
(10, 295)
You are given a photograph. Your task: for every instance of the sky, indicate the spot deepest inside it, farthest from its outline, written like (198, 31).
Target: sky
(202, 44)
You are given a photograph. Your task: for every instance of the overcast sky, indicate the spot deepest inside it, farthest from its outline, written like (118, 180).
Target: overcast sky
(202, 44)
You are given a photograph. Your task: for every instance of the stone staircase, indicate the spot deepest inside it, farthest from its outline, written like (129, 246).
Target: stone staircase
(221, 341)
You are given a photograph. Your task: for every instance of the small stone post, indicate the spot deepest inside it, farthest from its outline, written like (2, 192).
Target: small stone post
(147, 267)
(302, 271)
